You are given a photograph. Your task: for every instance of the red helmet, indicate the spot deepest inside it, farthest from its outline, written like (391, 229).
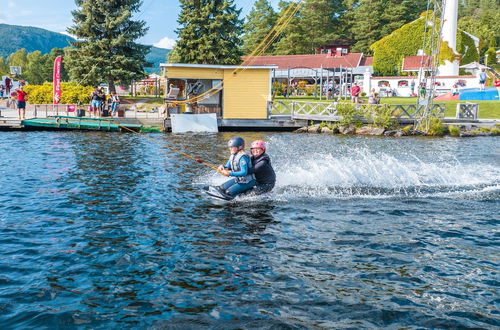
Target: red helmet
(258, 144)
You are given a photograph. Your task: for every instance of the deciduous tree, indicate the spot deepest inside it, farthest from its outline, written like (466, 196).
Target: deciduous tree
(19, 58)
(480, 18)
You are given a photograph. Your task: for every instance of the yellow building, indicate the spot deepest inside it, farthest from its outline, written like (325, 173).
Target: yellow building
(232, 92)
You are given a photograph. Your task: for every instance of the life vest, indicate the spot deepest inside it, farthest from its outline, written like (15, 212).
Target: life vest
(234, 160)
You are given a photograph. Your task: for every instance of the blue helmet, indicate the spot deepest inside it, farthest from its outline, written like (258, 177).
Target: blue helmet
(236, 141)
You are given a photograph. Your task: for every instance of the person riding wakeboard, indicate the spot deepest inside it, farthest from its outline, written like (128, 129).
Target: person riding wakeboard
(262, 168)
(238, 166)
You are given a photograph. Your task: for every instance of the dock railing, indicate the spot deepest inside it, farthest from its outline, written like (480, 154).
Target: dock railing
(326, 111)
(71, 110)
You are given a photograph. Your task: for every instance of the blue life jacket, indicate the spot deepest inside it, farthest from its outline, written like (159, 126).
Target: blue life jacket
(234, 160)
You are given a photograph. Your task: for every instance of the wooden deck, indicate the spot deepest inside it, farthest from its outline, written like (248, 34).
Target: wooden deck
(10, 123)
(275, 123)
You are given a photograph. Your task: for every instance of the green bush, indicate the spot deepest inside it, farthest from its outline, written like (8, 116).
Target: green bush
(349, 114)
(71, 94)
(454, 130)
(436, 127)
(407, 128)
(380, 115)
(495, 131)
(279, 88)
(309, 90)
(492, 55)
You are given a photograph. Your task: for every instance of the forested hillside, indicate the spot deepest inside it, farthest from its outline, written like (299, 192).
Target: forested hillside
(14, 38)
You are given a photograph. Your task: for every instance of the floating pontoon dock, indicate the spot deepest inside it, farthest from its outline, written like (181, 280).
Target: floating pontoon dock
(78, 123)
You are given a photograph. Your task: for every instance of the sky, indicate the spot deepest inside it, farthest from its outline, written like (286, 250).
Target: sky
(55, 15)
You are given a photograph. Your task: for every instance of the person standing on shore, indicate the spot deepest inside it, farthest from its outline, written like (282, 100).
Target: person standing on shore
(102, 95)
(115, 100)
(21, 103)
(8, 85)
(482, 79)
(355, 90)
(95, 102)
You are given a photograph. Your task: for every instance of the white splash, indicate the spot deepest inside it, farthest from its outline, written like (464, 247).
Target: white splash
(362, 173)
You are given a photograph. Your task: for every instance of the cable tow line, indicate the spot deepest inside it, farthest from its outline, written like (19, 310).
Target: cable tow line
(198, 160)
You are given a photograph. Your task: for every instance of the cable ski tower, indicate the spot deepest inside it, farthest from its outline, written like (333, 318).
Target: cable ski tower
(429, 65)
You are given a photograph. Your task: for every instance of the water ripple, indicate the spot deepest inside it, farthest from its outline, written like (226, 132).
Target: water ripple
(109, 230)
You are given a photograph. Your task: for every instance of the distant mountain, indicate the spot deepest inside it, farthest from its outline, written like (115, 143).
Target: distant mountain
(156, 56)
(15, 37)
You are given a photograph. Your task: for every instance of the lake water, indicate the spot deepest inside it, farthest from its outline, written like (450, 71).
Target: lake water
(101, 230)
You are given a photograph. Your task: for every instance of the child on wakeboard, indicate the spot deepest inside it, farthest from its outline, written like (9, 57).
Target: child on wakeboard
(264, 172)
(238, 166)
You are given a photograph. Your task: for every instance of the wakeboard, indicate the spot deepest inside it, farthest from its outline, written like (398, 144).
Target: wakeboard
(214, 192)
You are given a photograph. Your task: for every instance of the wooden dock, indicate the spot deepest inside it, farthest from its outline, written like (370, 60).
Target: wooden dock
(9, 123)
(70, 123)
(275, 123)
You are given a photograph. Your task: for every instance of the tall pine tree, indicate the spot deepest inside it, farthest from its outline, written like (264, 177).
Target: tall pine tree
(315, 25)
(367, 24)
(209, 33)
(106, 50)
(259, 22)
(374, 19)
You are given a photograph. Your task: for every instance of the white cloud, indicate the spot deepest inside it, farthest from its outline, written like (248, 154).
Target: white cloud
(68, 34)
(11, 4)
(165, 43)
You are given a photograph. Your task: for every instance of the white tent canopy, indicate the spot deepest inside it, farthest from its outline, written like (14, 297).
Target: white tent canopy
(474, 66)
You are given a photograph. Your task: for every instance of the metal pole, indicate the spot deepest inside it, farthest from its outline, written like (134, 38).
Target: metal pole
(287, 83)
(341, 81)
(273, 81)
(321, 83)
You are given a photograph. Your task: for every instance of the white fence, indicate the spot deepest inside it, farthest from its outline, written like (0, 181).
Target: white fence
(326, 110)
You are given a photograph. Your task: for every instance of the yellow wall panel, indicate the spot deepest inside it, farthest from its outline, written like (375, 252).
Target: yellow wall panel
(194, 73)
(246, 94)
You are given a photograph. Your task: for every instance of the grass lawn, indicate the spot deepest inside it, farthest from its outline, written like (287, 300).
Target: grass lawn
(487, 109)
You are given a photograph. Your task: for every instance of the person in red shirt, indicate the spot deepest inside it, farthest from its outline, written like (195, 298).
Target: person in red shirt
(21, 103)
(355, 90)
